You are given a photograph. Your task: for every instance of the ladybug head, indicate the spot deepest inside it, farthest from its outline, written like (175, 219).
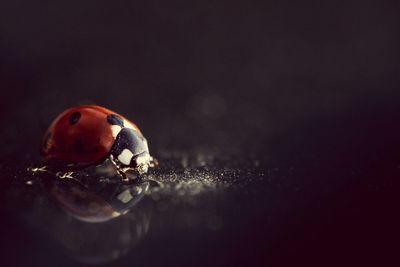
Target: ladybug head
(130, 148)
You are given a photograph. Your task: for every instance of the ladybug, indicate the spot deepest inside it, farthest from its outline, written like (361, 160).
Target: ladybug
(88, 135)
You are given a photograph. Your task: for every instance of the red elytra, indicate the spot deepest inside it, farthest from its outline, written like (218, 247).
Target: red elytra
(87, 138)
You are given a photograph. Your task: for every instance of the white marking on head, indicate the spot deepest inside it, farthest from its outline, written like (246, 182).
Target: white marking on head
(125, 196)
(125, 156)
(143, 158)
(129, 125)
(143, 162)
(115, 130)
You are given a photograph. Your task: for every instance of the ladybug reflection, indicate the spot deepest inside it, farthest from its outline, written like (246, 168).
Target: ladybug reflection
(87, 135)
(96, 233)
(97, 206)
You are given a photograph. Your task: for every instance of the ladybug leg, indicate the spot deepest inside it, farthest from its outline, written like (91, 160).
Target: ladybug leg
(123, 175)
(121, 171)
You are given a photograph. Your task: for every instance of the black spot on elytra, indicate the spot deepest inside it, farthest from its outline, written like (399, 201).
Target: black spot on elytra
(79, 146)
(115, 120)
(74, 118)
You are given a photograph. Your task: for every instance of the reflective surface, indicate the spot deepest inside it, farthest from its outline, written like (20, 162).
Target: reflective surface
(207, 209)
(90, 216)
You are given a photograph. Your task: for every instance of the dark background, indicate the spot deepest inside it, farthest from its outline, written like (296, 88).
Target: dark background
(309, 89)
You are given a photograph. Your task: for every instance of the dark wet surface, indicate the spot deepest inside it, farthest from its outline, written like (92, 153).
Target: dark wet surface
(276, 126)
(318, 195)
